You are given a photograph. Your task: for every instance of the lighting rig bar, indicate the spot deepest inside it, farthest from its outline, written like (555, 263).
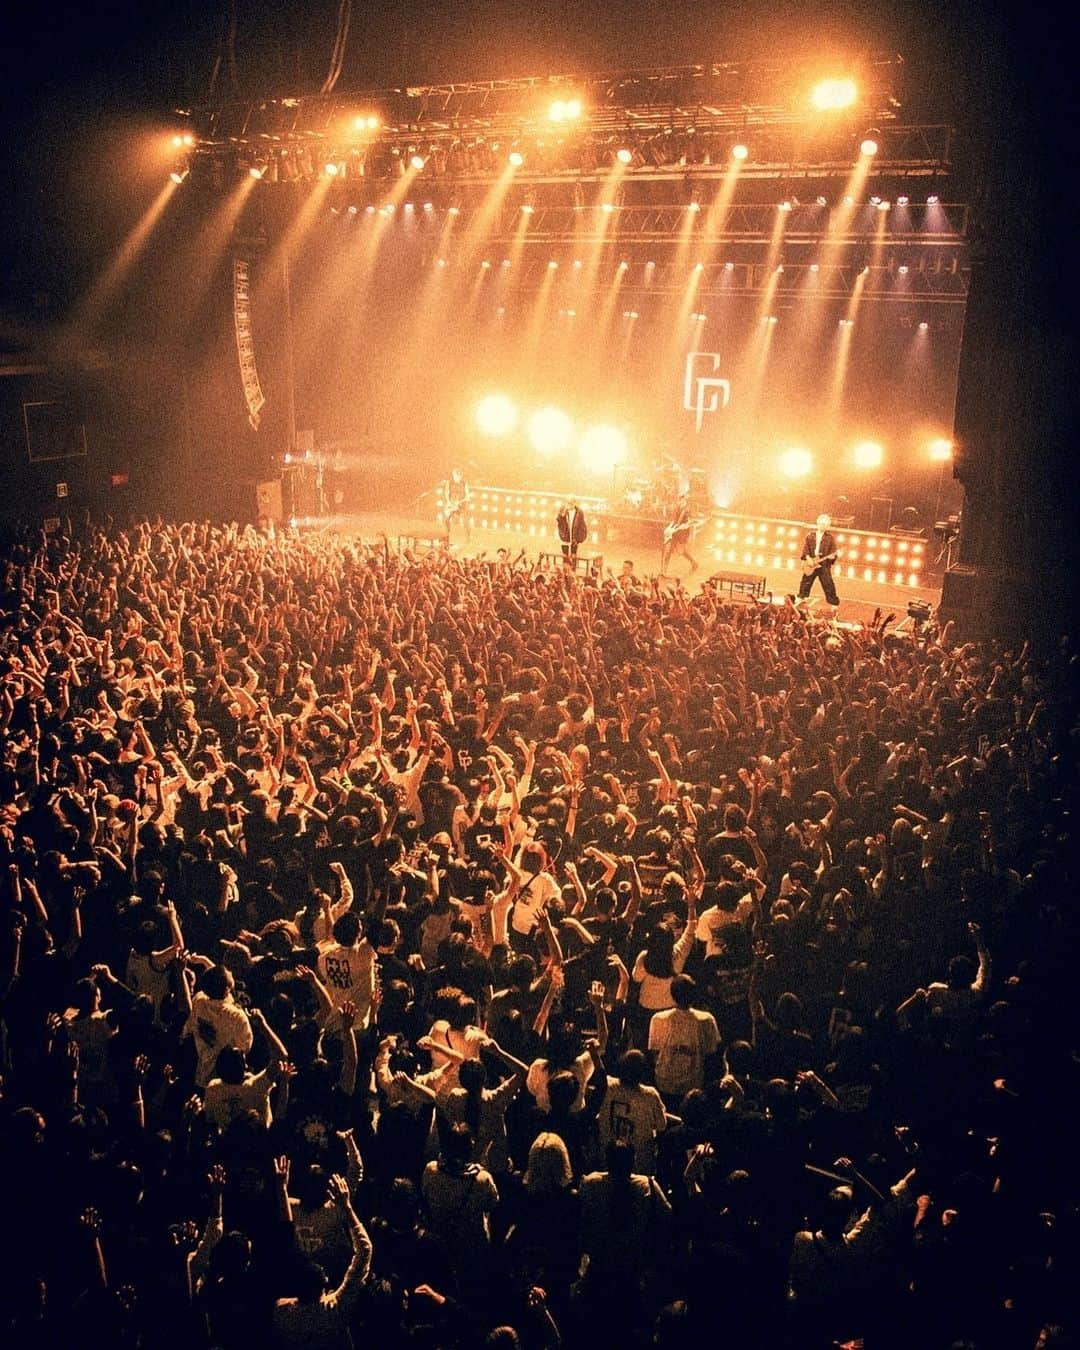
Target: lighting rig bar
(808, 225)
(799, 281)
(667, 120)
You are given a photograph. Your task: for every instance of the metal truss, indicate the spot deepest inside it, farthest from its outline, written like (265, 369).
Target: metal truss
(681, 119)
(799, 282)
(916, 227)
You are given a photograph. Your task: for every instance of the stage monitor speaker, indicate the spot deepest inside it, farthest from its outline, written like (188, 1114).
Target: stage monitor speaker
(268, 501)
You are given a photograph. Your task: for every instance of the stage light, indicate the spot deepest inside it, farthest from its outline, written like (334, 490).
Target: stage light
(869, 147)
(552, 264)
(367, 124)
(354, 210)
(505, 262)
(815, 267)
(784, 206)
(902, 201)
(550, 431)
(729, 267)
(517, 159)
(868, 455)
(822, 201)
(649, 265)
(884, 206)
(739, 152)
(771, 319)
(779, 269)
(369, 210)
(331, 170)
(255, 172)
(796, 463)
(577, 262)
(564, 110)
(429, 206)
(623, 265)
(875, 201)
(442, 262)
(178, 141)
(486, 264)
(693, 206)
(932, 201)
(602, 448)
(527, 208)
(187, 138)
(903, 269)
(178, 176)
(624, 156)
(847, 323)
(831, 95)
(417, 162)
(923, 326)
(940, 450)
(453, 210)
(607, 207)
(409, 206)
(496, 415)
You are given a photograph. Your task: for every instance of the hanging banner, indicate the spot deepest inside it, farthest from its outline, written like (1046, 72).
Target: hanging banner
(245, 343)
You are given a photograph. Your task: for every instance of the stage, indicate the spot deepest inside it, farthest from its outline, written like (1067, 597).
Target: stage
(859, 598)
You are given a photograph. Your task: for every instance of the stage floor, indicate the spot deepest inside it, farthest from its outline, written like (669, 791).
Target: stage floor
(858, 598)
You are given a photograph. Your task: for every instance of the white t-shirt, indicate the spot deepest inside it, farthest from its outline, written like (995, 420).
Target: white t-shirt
(682, 1039)
(226, 1102)
(711, 925)
(540, 1075)
(349, 976)
(216, 1023)
(635, 1115)
(534, 896)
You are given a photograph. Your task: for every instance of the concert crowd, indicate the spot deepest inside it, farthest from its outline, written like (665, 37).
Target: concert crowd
(409, 949)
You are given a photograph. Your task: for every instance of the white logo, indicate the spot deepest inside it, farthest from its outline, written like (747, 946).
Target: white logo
(704, 393)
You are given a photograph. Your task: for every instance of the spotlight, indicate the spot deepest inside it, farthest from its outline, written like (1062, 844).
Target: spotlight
(552, 264)
(693, 206)
(453, 210)
(550, 431)
(187, 138)
(815, 267)
(178, 175)
(564, 110)
(868, 455)
(739, 152)
(903, 269)
(601, 448)
(830, 95)
(527, 208)
(940, 450)
(417, 162)
(255, 172)
(884, 206)
(442, 262)
(924, 326)
(932, 201)
(496, 415)
(573, 108)
(517, 159)
(429, 206)
(902, 201)
(367, 124)
(624, 265)
(869, 147)
(505, 262)
(331, 170)
(607, 207)
(822, 201)
(485, 265)
(729, 267)
(577, 262)
(796, 463)
(772, 319)
(624, 156)
(784, 206)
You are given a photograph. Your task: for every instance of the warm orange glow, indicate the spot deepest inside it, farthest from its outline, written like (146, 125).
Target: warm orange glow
(517, 159)
(940, 450)
(796, 463)
(868, 455)
(602, 449)
(831, 95)
(869, 147)
(624, 156)
(565, 110)
(550, 430)
(496, 415)
(739, 151)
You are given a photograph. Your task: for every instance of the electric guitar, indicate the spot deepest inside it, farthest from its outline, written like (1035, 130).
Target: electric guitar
(678, 526)
(810, 565)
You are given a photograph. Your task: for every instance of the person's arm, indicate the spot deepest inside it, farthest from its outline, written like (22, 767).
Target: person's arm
(345, 1295)
(90, 1220)
(199, 1259)
(981, 982)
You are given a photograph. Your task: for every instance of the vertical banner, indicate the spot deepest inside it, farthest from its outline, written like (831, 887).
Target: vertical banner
(245, 344)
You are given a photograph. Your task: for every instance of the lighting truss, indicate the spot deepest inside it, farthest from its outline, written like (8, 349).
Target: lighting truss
(945, 282)
(676, 119)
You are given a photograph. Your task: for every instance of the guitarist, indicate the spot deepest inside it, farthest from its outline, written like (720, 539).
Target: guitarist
(818, 555)
(677, 535)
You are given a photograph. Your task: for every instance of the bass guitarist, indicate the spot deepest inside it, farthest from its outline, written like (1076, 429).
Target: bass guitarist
(819, 552)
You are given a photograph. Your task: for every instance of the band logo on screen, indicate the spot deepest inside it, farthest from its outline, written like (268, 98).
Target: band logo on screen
(703, 391)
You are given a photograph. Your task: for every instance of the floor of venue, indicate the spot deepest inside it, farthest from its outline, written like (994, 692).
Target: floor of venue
(859, 599)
